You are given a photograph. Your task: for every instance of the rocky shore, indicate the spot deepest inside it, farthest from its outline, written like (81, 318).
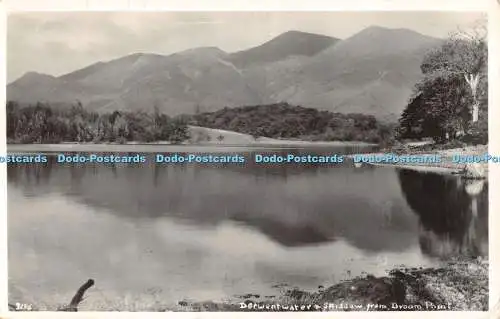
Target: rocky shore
(460, 286)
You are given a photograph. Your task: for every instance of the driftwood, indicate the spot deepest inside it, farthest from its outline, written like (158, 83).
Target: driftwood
(78, 297)
(72, 306)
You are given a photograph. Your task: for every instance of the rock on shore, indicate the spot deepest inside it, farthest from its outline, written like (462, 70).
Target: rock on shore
(474, 171)
(462, 285)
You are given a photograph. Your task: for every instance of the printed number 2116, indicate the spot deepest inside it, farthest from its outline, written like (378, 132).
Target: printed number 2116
(23, 307)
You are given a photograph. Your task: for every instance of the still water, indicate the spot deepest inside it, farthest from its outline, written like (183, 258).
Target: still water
(152, 234)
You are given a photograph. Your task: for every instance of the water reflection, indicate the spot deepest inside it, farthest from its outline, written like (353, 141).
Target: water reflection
(295, 205)
(212, 231)
(453, 213)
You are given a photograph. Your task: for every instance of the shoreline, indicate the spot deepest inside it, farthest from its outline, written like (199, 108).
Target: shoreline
(446, 166)
(460, 285)
(208, 137)
(165, 148)
(83, 147)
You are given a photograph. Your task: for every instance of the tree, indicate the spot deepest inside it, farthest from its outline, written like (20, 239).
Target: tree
(464, 54)
(12, 118)
(451, 99)
(42, 123)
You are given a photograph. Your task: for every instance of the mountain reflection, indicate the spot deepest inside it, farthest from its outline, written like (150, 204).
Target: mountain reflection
(294, 205)
(453, 213)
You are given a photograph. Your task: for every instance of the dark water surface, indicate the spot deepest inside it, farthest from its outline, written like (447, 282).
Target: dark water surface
(150, 233)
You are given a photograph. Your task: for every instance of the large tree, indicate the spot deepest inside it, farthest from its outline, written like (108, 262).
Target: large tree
(451, 99)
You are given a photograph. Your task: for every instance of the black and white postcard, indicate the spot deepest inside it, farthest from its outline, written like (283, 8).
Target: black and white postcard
(248, 161)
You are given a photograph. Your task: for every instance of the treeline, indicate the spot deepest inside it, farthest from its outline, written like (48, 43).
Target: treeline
(42, 123)
(284, 121)
(453, 88)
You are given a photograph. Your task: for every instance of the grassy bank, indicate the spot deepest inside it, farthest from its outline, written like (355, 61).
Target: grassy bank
(209, 136)
(199, 137)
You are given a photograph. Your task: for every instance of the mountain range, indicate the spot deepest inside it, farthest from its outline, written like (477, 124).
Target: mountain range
(372, 72)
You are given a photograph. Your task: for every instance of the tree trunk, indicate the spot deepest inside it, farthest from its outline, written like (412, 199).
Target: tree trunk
(475, 112)
(473, 80)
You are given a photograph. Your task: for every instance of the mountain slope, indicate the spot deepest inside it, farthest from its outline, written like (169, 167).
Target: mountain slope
(33, 87)
(176, 84)
(199, 77)
(371, 72)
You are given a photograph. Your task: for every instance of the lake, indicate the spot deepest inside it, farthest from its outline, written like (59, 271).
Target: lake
(151, 235)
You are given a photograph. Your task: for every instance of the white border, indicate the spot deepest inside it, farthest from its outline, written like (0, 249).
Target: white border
(490, 6)
(248, 5)
(3, 169)
(494, 148)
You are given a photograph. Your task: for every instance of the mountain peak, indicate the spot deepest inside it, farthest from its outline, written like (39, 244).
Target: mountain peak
(209, 50)
(371, 72)
(375, 30)
(301, 33)
(33, 77)
(290, 43)
(132, 57)
(33, 74)
(377, 40)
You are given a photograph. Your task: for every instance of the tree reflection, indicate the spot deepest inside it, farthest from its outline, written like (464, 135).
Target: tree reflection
(453, 213)
(292, 204)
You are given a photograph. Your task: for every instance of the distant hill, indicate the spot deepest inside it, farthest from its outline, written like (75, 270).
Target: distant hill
(371, 72)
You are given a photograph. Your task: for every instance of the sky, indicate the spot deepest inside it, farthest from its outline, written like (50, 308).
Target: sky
(57, 43)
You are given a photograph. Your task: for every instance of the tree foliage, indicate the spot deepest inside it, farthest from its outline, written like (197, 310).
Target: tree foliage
(295, 122)
(444, 101)
(42, 123)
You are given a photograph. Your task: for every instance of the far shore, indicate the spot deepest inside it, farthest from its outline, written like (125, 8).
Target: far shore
(170, 147)
(231, 142)
(198, 137)
(203, 139)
